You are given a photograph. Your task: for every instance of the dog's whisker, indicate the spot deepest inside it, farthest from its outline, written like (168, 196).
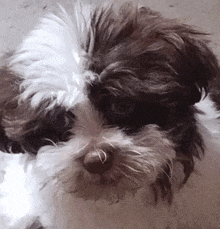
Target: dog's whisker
(167, 175)
(81, 151)
(102, 156)
(131, 168)
(51, 141)
(135, 153)
(108, 142)
(124, 174)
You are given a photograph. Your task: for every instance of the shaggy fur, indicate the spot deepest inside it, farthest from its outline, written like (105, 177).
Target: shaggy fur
(102, 106)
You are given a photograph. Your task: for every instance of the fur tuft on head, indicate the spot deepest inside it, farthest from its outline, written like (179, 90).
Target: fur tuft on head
(51, 61)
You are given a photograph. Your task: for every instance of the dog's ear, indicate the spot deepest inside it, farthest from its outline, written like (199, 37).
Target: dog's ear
(182, 50)
(196, 64)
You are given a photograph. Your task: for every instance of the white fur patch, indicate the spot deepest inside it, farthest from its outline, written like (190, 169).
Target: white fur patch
(210, 116)
(52, 62)
(15, 201)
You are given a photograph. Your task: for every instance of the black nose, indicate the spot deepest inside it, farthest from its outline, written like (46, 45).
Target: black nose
(98, 161)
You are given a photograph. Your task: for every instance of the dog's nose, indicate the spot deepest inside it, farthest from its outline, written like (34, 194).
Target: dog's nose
(98, 161)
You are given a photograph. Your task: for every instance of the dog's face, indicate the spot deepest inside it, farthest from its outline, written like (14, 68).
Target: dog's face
(108, 106)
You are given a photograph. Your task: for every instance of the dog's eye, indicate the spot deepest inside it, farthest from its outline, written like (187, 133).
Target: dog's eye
(49, 130)
(130, 112)
(63, 120)
(132, 116)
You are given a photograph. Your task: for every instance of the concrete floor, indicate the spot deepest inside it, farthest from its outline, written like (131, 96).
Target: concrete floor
(17, 17)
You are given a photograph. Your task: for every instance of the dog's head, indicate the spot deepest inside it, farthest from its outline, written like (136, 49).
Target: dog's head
(107, 102)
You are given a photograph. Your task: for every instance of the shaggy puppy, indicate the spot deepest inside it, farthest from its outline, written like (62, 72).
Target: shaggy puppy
(102, 106)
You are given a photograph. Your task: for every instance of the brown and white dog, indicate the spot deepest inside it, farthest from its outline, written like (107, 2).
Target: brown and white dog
(110, 120)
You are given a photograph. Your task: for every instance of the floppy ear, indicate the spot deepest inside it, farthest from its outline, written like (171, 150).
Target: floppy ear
(197, 64)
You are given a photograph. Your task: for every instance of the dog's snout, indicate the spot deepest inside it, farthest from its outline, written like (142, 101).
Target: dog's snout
(98, 161)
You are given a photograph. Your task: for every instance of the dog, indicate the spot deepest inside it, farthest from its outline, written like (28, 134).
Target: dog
(109, 119)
